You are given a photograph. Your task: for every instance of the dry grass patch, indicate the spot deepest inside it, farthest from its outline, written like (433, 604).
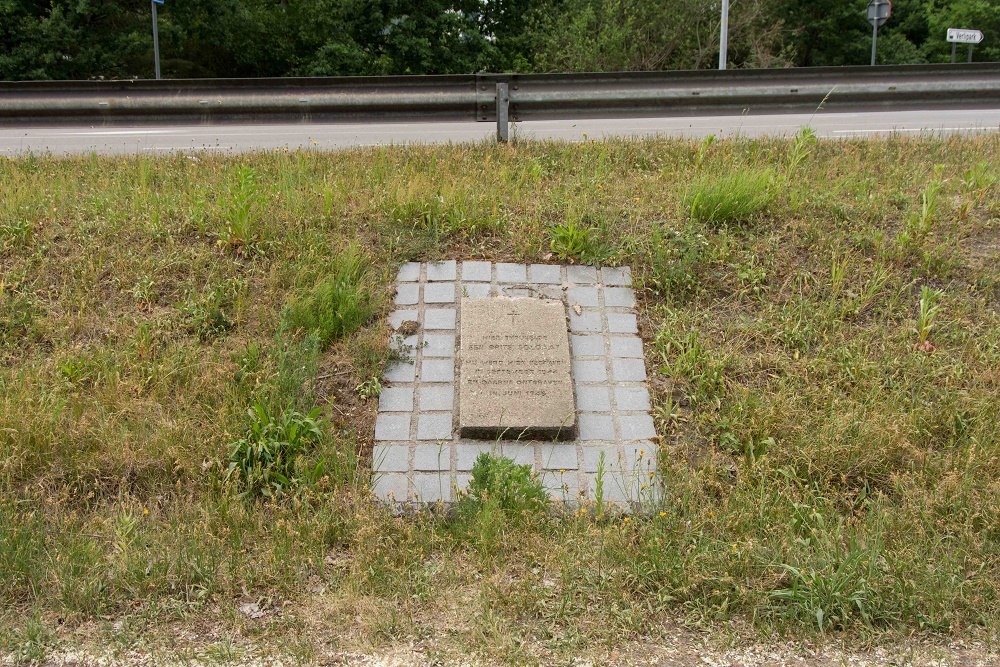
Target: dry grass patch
(825, 368)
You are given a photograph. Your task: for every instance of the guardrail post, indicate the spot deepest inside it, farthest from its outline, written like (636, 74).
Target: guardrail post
(503, 106)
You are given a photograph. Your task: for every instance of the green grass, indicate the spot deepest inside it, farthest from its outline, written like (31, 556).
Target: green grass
(823, 352)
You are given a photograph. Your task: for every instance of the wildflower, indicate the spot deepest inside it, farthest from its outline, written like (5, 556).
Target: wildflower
(626, 520)
(562, 471)
(663, 514)
(145, 511)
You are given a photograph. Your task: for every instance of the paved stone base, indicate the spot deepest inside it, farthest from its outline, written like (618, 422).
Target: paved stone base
(419, 457)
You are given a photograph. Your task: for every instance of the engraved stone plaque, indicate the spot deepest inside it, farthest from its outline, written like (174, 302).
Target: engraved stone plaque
(514, 370)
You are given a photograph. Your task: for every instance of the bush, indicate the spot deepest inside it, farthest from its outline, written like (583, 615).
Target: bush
(736, 197)
(337, 305)
(263, 461)
(502, 485)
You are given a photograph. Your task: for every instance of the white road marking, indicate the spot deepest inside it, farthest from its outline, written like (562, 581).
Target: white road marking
(109, 133)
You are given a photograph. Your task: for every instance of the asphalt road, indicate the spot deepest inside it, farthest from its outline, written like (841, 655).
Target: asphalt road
(245, 137)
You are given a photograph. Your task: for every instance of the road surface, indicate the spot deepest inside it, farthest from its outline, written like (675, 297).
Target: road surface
(61, 140)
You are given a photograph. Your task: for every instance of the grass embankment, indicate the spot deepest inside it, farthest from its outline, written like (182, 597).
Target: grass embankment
(823, 339)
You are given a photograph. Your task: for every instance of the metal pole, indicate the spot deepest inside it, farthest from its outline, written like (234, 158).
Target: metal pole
(156, 43)
(970, 52)
(503, 103)
(724, 35)
(954, 46)
(874, 38)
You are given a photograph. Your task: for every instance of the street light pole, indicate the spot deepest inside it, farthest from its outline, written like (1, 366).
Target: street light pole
(724, 35)
(156, 42)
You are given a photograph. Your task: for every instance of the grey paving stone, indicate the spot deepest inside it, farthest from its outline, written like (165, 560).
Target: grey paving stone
(593, 398)
(390, 487)
(407, 294)
(559, 456)
(638, 456)
(400, 371)
(392, 427)
(582, 275)
(622, 323)
(619, 297)
(467, 452)
(562, 486)
(522, 453)
(589, 370)
(436, 397)
(587, 346)
(583, 296)
(628, 370)
(632, 398)
(439, 318)
(620, 489)
(477, 272)
(511, 273)
(437, 370)
(409, 273)
(434, 426)
(596, 427)
(432, 457)
(399, 316)
(462, 480)
(441, 271)
(636, 427)
(439, 345)
(476, 290)
(545, 274)
(430, 488)
(616, 276)
(395, 399)
(626, 346)
(405, 346)
(553, 292)
(587, 321)
(391, 458)
(592, 457)
(439, 293)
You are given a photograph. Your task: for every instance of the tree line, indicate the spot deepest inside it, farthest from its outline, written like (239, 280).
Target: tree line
(86, 39)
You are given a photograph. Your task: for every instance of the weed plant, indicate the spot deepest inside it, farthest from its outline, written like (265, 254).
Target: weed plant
(821, 471)
(336, 305)
(733, 198)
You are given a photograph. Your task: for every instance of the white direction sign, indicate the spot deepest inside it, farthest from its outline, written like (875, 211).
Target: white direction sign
(962, 36)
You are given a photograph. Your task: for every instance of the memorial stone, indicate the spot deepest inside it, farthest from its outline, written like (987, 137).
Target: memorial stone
(514, 370)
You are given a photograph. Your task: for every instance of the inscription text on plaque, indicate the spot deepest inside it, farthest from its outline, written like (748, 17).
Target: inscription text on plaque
(514, 370)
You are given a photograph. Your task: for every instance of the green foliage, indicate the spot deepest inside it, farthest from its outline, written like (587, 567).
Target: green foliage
(736, 197)
(264, 461)
(240, 233)
(499, 484)
(678, 261)
(575, 242)
(336, 305)
(251, 38)
(207, 315)
(834, 591)
(19, 314)
(32, 644)
(14, 234)
(927, 313)
(805, 143)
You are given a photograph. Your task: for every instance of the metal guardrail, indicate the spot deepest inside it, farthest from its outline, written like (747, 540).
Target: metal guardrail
(475, 96)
